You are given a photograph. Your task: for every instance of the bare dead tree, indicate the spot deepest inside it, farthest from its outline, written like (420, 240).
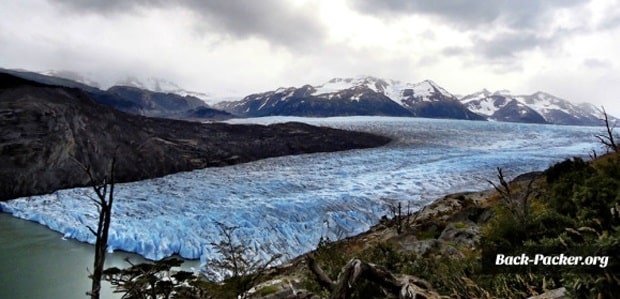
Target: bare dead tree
(399, 285)
(408, 214)
(399, 219)
(104, 200)
(516, 201)
(607, 139)
(593, 155)
(241, 268)
(398, 216)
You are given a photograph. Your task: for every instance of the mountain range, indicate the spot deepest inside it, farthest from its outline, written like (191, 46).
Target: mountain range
(359, 96)
(375, 96)
(364, 95)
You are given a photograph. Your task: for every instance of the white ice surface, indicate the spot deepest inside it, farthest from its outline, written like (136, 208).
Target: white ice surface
(284, 205)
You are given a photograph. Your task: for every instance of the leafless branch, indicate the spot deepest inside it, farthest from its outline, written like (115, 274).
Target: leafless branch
(608, 138)
(401, 286)
(517, 202)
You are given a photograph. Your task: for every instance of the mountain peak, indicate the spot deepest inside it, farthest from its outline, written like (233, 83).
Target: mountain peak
(427, 88)
(428, 82)
(476, 96)
(337, 84)
(502, 92)
(541, 95)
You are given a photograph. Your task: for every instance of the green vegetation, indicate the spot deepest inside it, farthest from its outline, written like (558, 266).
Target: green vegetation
(155, 280)
(160, 280)
(573, 208)
(575, 213)
(264, 291)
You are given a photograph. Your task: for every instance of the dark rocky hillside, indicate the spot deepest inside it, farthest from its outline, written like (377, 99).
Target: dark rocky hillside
(45, 129)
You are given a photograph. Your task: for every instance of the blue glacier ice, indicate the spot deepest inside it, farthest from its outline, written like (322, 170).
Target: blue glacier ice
(285, 205)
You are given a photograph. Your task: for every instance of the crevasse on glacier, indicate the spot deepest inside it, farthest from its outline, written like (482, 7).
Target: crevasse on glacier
(284, 205)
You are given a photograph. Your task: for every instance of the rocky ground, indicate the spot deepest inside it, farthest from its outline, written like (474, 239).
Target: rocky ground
(442, 228)
(449, 227)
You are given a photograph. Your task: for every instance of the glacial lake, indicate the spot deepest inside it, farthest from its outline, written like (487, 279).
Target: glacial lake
(282, 205)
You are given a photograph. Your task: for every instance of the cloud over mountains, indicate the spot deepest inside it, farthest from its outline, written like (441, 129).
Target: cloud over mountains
(564, 47)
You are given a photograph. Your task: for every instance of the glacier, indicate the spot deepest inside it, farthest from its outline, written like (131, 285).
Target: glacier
(285, 205)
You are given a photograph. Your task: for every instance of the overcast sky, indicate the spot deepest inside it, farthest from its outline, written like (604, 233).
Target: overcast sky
(568, 48)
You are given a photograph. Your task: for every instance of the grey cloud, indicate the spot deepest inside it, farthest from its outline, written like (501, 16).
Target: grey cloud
(427, 60)
(272, 20)
(507, 45)
(611, 21)
(106, 7)
(594, 63)
(471, 13)
(522, 22)
(500, 48)
(454, 51)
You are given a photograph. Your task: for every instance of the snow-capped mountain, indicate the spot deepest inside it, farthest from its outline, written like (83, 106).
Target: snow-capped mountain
(155, 99)
(427, 99)
(560, 111)
(335, 98)
(500, 106)
(354, 96)
(539, 107)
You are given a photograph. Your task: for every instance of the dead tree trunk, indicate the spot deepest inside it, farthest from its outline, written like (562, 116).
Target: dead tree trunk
(105, 198)
(401, 286)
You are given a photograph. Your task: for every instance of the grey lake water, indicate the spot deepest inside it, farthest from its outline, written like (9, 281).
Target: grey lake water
(282, 205)
(36, 262)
